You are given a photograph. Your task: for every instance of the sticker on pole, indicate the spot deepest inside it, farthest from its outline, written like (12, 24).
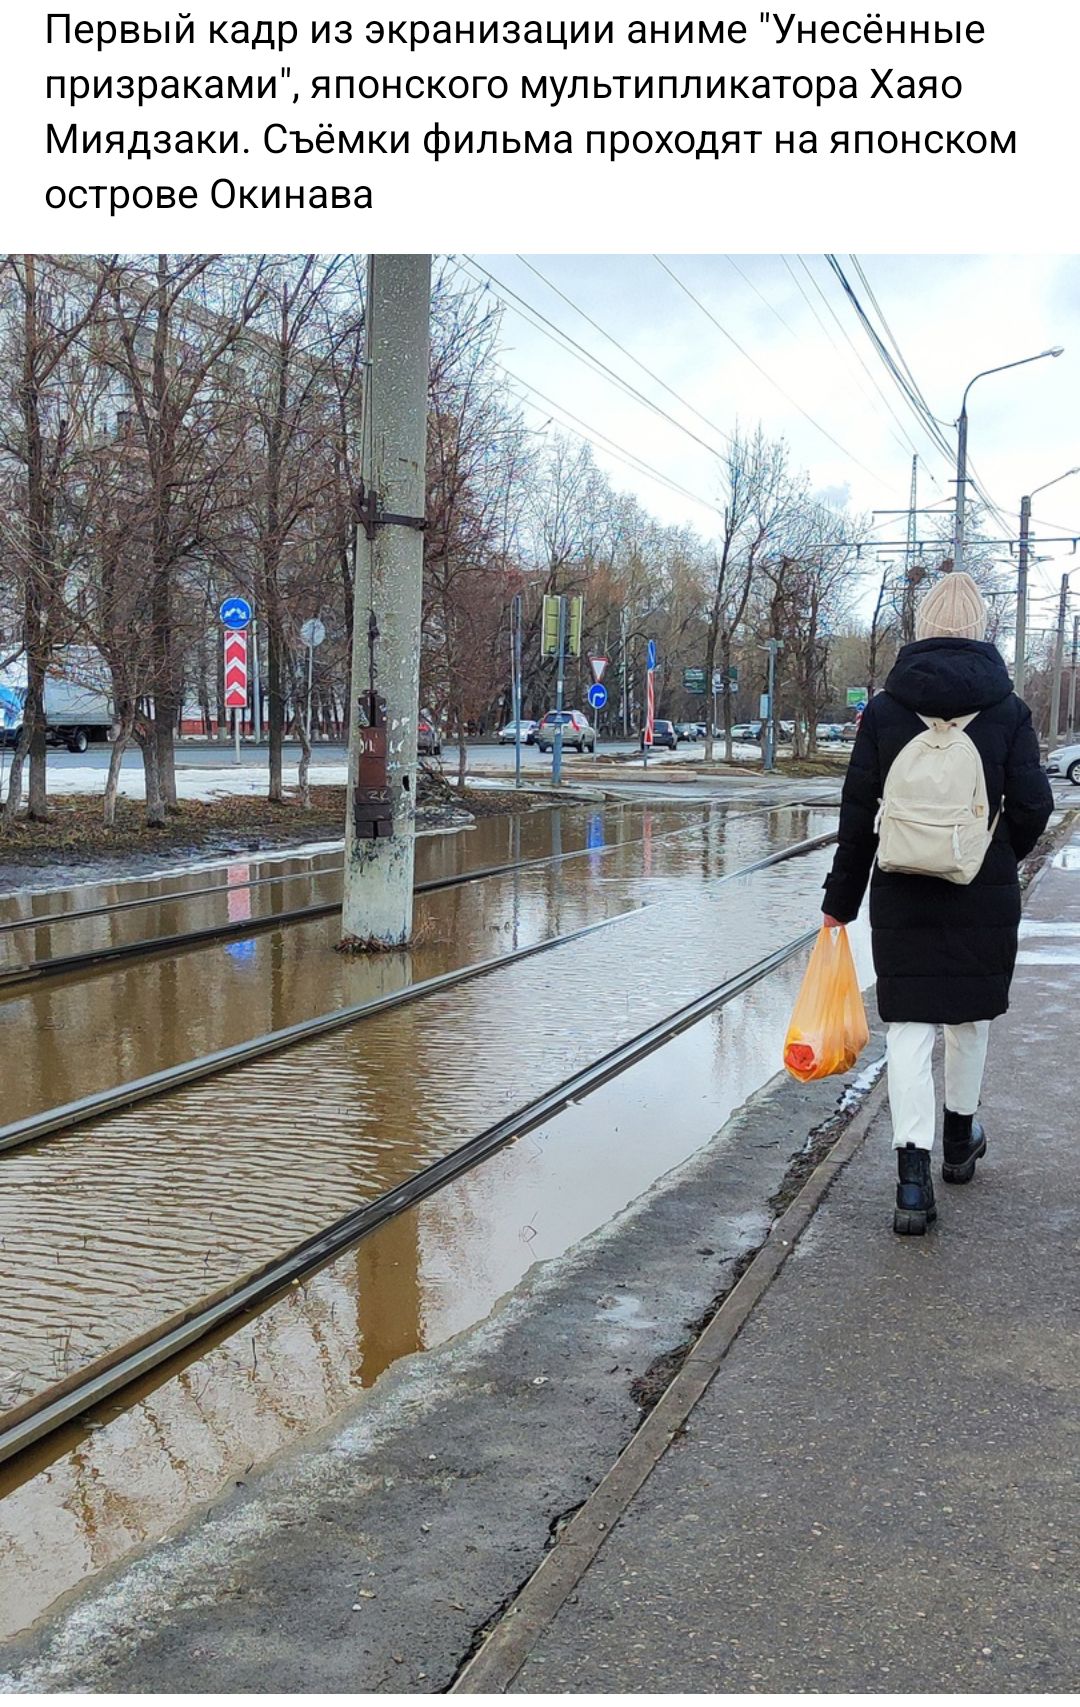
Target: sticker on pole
(236, 670)
(598, 666)
(598, 696)
(235, 612)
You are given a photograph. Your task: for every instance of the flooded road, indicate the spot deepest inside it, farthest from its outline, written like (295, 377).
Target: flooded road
(83, 1033)
(89, 1498)
(108, 1230)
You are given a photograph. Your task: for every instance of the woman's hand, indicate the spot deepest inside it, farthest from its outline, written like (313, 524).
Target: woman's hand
(832, 924)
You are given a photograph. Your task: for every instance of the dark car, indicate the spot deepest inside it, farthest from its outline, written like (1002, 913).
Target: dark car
(686, 731)
(663, 734)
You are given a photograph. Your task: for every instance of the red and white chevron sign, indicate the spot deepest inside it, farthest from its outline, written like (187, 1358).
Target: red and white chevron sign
(236, 669)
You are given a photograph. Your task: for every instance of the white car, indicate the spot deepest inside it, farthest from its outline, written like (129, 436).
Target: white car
(528, 726)
(1065, 761)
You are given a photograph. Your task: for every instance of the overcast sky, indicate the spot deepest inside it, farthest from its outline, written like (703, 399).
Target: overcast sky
(950, 315)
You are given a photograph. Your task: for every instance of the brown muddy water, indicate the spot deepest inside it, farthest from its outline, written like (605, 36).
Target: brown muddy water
(131, 1473)
(109, 1229)
(81, 1033)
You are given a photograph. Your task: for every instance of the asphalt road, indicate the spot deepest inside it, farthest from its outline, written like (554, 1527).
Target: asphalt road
(214, 755)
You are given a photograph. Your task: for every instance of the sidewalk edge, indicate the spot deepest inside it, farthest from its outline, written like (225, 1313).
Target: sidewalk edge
(508, 1644)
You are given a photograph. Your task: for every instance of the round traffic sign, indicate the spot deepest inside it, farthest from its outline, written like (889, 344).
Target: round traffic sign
(313, 632)
(861, 707)
(598, 696)
(235, 612)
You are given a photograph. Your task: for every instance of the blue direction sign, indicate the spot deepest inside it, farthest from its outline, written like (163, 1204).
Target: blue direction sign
(235, 612)
(598, 696)
(652, 655)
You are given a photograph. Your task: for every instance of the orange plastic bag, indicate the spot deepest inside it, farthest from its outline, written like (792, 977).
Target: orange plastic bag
(828, 1029)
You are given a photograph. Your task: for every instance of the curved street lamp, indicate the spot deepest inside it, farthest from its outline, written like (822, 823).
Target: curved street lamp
(961, 446)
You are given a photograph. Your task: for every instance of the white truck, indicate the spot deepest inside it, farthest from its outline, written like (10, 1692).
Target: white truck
(78, 708)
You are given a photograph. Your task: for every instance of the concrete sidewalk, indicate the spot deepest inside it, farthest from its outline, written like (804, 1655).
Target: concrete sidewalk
(879, 1490)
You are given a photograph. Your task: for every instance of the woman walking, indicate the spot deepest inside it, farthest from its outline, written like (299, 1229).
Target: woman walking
(944, 946)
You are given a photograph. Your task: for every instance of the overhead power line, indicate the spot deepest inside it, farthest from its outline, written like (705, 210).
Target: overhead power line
(571, 346)
(709, 315)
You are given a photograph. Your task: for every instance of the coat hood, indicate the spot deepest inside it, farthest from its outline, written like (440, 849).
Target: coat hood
(949, 678)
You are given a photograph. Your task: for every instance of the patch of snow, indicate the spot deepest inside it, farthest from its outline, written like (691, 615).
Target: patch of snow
(862, 1084)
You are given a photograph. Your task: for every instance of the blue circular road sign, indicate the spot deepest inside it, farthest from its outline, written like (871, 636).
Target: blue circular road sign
(235, 612)
(598, 696)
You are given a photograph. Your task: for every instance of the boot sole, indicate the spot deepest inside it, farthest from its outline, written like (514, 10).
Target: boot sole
(959, 1173)
(913, 1221)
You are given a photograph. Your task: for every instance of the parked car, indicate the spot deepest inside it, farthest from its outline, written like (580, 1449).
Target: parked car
(528, 727)
(428, 739)
(663, 734)
(686, 731)
(577, 731)
(830, 732)
(744, 731)
(1065, 761)
(702, 730)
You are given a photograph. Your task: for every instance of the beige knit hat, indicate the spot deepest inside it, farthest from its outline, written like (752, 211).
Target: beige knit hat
(953, 609)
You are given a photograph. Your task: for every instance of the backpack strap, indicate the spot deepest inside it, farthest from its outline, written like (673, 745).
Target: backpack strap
(940, 724)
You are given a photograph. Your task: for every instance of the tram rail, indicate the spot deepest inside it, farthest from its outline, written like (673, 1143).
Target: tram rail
(54, 966)
(67, 1399)
(65, 1116)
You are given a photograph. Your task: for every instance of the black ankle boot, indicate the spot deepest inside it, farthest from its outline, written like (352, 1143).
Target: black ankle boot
(965, 1142)
(915, 1207)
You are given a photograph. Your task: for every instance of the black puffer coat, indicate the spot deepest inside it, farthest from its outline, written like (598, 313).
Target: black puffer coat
(943, 952)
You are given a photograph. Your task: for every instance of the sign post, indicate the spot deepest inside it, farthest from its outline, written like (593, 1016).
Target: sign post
(235, 613)
(556, 750)
(236, 681)
(515, 675)
(650, 700)
(312, 633)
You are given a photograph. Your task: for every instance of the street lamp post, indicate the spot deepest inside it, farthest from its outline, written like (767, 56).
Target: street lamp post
(1020, 669)
(961, 448)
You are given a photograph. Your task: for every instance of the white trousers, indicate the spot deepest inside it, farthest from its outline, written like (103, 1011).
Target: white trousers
(910, 1050)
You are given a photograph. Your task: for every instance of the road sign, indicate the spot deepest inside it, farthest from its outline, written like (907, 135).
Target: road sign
(576, 616)
(857, 698)
(598, 666)
(549, 630)
(650, 706)
(235, 612)
(598, 696)
(718, 680)
(860, 706)
(651, 655)
(236, 669)
(693, 680)
(313, 632)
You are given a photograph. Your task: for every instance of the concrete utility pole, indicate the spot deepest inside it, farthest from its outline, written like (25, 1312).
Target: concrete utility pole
(1059, 657)
(380, 814)
(768, 724)
(1072, 679)
(1020, 670)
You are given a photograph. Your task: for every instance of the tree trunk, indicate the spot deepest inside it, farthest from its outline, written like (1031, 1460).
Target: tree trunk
(463, 747)
(155, 804)
(725, 665)
(165, 715)
(275, 707)
(305, 761)
(112, 781)
(18, 757)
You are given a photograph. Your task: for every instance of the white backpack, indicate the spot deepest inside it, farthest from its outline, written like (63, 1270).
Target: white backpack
(934, 819)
